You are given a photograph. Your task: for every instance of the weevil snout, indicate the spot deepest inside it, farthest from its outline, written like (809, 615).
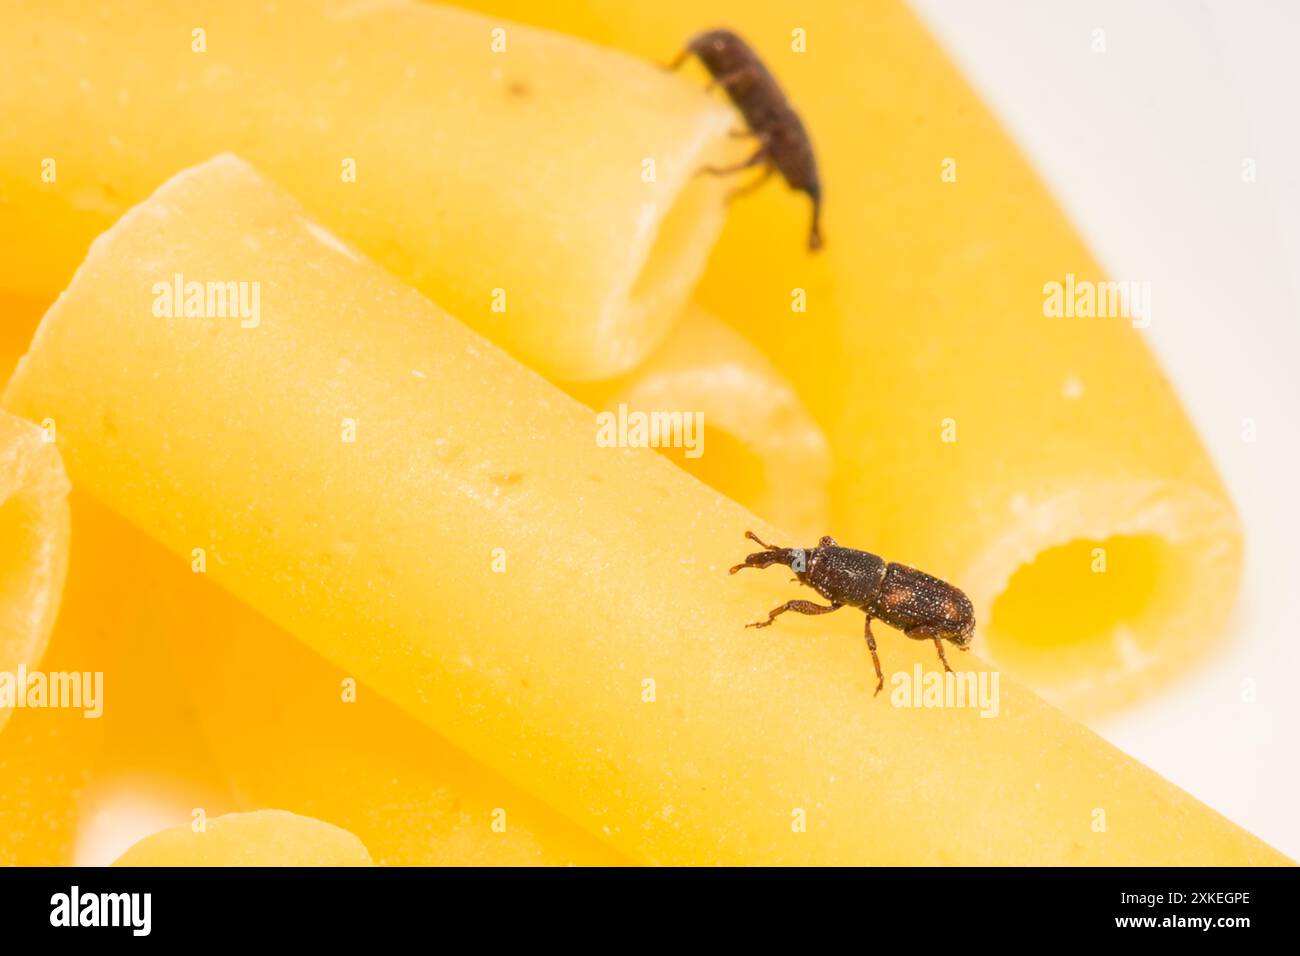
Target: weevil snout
(769, 556)
(765, 559)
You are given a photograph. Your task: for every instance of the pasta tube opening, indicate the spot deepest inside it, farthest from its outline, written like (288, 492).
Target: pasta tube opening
(1094, 607)
(662, 272)
(33, 545)
(541, 188)
(754, 440)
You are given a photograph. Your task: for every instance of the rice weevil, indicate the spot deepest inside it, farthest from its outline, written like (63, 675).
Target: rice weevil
(784, 145)
(921, 606)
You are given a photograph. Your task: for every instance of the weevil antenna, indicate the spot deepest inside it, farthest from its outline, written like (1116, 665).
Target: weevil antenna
(679, 60)
(753, 537)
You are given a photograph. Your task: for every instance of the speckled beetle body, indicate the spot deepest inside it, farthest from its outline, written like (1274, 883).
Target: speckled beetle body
(784, 144)
(921, 606)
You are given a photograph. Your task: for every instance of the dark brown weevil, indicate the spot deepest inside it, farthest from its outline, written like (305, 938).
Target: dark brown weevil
(784, 145)
(922, 607)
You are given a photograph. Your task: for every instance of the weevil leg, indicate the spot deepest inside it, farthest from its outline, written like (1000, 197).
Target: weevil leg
(750, 187)
(815, 230)
(759, 156)
(926, 633)
(875, 659)
(938, 645)
(802, 607)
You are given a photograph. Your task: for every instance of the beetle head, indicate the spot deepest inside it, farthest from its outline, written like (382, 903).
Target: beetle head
(721, 51)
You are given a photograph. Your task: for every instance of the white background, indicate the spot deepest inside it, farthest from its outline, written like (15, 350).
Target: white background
(1143, 145)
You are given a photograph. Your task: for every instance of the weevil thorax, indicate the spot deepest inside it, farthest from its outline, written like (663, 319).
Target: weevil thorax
(843, 575)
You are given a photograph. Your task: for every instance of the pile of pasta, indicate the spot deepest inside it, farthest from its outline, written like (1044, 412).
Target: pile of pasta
(361, 581)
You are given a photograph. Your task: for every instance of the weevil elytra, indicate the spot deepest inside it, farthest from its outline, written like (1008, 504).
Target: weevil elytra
(922, 607)
(784, 145)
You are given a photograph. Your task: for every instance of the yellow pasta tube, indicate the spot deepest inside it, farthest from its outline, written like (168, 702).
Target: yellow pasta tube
(427, 513)
(291, 731)
(984, 426)
(159, 633)
(729, 418)
(33, 552)
(129, 732)
(38, 809)
(541, 187)
(18, 318)
(260, 838)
